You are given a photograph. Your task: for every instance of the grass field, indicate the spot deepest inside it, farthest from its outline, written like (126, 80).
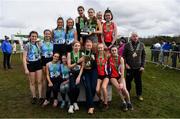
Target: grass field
(161, 92)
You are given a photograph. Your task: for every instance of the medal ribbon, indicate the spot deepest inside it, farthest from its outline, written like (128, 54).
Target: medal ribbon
(76, 57)
(116, 62)
(101, 60)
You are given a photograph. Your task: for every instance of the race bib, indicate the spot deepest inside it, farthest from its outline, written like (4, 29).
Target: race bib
(69, 41)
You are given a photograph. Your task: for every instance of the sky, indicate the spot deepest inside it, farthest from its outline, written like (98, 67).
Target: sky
(146, 17)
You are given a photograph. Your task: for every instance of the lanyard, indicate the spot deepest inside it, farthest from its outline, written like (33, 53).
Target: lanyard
(116, 62)
(69, 33)
(64, 70)
(137, 48)
(60, 32)
(75, 57)
(100, 59)
(55, 68)
(34, 47)
(108, 26)
(81, 23)
(90, 25)
(48, 46)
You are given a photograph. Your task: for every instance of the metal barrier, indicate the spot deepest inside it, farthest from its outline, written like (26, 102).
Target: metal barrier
(166, 58)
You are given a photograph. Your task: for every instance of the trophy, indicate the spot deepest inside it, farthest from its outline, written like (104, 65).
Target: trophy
(87, 58)
(85, 30)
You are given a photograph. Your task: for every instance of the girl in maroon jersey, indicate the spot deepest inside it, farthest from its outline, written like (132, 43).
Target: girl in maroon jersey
(109, 30)
(117, 79)
(103, 79)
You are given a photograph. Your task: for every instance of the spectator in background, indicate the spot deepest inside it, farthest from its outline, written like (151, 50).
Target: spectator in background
(152, 52)
(161, 59)
(7, 51)
(121, 46)
(14, 47)
(174, 54)
(166, 49)
(157, 48)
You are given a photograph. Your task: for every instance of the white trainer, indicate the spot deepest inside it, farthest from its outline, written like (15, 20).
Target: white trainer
(70, 110)
(76, 107)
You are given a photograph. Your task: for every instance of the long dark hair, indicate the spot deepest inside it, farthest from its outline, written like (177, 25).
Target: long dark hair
(94, 19)
(35, 32)
(32, 32)
(108, 11)
(67, 27)
(60, 18)
(80, 7)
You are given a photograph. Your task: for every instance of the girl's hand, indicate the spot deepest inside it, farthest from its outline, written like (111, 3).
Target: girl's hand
(78, 80)
(80, 60)
(127, 66)
(141, 69)
(26, 71)
(50, 84)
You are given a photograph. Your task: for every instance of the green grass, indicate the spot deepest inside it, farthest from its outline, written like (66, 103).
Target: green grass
(161, 91)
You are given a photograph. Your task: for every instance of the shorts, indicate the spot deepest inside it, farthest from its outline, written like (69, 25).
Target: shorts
(102, 77)
(33, 66)
(108, 44)
(116, 77)
(60, 48)
(68, 48)
(45, 60)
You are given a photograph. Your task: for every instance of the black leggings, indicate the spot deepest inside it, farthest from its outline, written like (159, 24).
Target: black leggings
(74, 89)
(54, 89)
(6, 60)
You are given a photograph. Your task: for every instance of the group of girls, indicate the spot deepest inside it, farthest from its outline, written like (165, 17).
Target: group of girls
(66, 57)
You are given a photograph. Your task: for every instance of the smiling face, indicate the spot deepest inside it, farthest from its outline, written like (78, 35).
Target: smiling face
(91, 13)
(100, 47)
(108, 17)
(114, 51)
(47, 35)
(56, 57)
(88, 45)
(134, 37)
(80, 11)
(64, 59)
(60, 23)
(76, 46)
(70, 23)
(99, 16)
(33, 37)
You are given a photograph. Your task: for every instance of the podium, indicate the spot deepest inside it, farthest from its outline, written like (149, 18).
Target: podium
(82, 95)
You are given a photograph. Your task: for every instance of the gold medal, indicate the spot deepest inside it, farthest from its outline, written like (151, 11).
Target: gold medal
(134, 55)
